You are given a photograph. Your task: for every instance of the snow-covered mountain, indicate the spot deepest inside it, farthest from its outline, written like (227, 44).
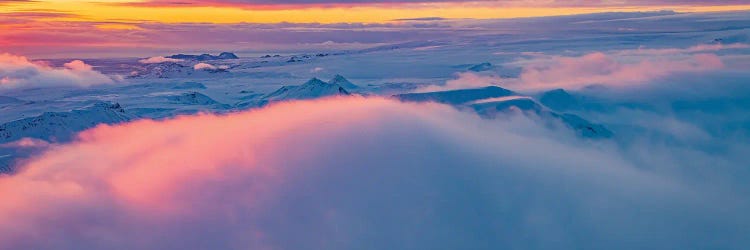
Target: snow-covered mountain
(343, 82)
(312, 89)
(205, 57)
(162, 70)
(558, 99)
(175, 70)
(61, 126)
(492, 102)
(456, 97)
(193, 98)
(493, 108)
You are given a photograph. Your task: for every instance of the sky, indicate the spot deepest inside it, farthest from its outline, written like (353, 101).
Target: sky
(57, 28)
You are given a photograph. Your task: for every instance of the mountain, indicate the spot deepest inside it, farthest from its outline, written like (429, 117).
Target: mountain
(61, 126)
(492, 102)
(162, 70)
(528, 106)
(491, 107)
(558, 99)
(312, 89)
(584, 127)
(193, 98)
(54, 127)
(173, 70)
(205, 57)
(343, 82)
(456, 97)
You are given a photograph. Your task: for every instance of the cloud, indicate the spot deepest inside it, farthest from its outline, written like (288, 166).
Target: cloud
(354, 173)
(607, 69)
(700, 48)
(19, 72)
(158, 59)
(203, 66)
(207, 66)
(464, 80)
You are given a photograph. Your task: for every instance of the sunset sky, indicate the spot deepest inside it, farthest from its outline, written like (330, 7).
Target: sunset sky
(53, 28)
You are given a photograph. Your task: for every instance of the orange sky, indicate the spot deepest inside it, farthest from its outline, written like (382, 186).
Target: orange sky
(60, 28)
(116, 11)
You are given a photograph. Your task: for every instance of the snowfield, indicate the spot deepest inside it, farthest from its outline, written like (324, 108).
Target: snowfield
(604, 131)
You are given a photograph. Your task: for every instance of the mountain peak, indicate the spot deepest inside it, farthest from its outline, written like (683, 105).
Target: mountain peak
(343, 82)
(228, 55)
(315, 81)
(204, 56)
(558, 99)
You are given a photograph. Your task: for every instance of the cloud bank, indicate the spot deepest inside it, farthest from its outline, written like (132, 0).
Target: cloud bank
(607, 69)
(19, 72)
(463, 80)
(158, 59)
(353, 173)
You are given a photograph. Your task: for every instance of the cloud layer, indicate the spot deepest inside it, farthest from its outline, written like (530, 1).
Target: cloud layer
(353, 173)
(158, 59)
(601, 68)
(19, 72)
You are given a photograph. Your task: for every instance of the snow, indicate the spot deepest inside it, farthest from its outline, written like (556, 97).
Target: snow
(343, 82)
(314, 88)
(61, 126)
(460, 96)
(501, 50)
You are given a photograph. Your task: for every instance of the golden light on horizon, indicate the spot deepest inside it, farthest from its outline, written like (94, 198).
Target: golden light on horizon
(117, 11)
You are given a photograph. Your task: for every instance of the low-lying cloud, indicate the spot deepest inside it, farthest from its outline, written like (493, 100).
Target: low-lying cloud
(207, 66)
(158, 59)
(607, 69)
(464, 80)
(354, 173)
(20, 72)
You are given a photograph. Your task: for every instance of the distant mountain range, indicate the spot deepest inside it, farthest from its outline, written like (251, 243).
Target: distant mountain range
(204, 57)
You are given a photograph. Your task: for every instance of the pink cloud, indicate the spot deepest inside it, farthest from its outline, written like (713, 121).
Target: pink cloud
(203, 66)
(601, 68)
(78, 65)
(158, 59)
(19, 72)
(343, 173)
(464, 80)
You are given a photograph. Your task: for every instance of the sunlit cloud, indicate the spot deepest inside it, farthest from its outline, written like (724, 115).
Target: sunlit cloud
(20, 72)
(158, 59)
(336, 173)
(621, 68)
